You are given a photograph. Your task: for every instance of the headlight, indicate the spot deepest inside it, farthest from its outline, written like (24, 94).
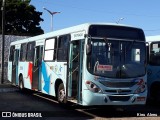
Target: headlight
(141, 87)
(93, 87)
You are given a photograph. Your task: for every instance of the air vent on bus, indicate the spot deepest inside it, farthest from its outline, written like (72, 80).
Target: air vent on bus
(119, 98)
(115, 91)
(118, 84)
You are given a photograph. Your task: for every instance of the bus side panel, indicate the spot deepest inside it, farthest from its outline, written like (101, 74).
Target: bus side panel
(51, 71)
(45, 81)
(10, 71)
(27, 74)
(88, 97)
(153, 76)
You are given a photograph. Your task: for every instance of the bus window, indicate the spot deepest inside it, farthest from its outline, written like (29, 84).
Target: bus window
(11, 53)
(30, 51)
(50, 49)
(155, 53)
(62, 50)
(23, 52)
(114, 57)
(135, 55)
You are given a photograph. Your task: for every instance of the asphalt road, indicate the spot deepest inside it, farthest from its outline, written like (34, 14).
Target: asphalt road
(33, 105)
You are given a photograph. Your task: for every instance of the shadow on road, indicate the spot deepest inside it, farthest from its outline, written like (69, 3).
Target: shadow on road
(28, 101)
(151, 109)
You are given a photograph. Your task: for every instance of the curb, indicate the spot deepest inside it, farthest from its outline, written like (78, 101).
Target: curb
(7, 88)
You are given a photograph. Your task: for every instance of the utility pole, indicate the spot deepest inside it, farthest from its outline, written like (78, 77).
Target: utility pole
(51, 13)
(3, 41)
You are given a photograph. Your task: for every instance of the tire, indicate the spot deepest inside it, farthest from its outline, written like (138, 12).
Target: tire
(21, 85)
(61, 96)
(155, 92)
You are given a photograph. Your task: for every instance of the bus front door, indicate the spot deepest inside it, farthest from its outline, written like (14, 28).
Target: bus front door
(36, 83)
(74, 72)
(15, 67)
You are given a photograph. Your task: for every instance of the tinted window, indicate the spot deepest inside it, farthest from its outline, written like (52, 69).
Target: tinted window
(155, 53)
(120, 32)
(117, 59)
(23, 52)
(62, 50)
(12, 48)
(30, 51)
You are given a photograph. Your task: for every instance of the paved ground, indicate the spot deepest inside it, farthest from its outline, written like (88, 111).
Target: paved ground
(23, 103)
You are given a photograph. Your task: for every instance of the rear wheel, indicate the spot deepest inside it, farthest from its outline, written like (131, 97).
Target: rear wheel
(61, 95)
(21, 85)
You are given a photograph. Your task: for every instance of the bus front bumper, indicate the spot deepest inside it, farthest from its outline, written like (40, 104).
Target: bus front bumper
(90, 98)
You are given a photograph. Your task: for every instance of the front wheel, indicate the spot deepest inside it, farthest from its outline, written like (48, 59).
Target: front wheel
(155, 92)
(61, 94)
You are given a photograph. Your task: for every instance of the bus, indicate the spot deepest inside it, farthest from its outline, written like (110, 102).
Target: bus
(88, 64)
(153, 48)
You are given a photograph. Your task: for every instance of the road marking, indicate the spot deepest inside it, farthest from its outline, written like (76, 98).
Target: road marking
(90, 114)
(45, 98)
(79, 110)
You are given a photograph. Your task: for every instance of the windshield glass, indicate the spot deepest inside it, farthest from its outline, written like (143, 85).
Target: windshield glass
(117, 59)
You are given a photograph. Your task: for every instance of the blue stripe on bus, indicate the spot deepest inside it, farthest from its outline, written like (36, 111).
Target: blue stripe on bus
(46, 78)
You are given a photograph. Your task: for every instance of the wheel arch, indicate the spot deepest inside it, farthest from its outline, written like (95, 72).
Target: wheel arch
(20, 78)
(57, 83)
(154, 86)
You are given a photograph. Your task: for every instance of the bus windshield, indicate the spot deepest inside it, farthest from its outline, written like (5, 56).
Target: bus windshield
(117, 58)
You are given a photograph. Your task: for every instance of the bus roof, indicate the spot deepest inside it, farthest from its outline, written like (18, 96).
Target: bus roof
(64, 31)
(152, 38)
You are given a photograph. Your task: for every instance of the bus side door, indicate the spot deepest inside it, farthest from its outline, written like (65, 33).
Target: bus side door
(75, 70)
(10, 62)
(15, 67)
(36, 83)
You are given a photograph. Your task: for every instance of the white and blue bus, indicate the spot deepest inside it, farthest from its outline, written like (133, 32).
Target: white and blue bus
(153, 48)
(88, 64)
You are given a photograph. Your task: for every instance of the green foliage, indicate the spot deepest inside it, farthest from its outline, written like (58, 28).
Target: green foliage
(21, 18)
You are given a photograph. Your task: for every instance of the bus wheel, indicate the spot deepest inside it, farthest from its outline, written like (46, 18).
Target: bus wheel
(61, 94)
(21, 85)
(155, 92)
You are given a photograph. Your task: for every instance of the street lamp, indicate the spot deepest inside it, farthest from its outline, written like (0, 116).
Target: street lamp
(51, 13)
(119, 20)
(3, 41)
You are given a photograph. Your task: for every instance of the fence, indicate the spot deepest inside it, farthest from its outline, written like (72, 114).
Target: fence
(8, 40)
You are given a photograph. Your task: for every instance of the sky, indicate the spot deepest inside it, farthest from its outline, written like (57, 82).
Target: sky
(143, 14)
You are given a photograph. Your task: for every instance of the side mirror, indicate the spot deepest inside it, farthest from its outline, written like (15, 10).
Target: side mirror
(88, 49)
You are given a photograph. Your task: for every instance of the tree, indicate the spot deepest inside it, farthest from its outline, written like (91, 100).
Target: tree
(21, 18)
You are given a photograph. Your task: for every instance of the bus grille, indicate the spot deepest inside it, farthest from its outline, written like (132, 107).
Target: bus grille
(118, 84)
(119, 98)
(115, 91)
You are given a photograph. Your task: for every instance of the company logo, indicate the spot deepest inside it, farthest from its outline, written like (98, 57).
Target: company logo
(6, 114)
(22, 115)
(119, 91)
